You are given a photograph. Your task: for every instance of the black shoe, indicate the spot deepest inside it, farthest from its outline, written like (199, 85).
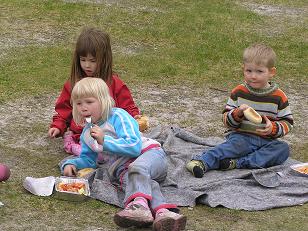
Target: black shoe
(227, 164)
(196, 167)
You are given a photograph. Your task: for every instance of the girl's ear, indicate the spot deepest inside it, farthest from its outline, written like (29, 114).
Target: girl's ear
(273, 71)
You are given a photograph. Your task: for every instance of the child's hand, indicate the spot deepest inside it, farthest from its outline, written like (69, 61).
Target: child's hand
(242, 108)
(97, 133)
(69, 170)
(136, 117)
(53, 132)
(268, 128)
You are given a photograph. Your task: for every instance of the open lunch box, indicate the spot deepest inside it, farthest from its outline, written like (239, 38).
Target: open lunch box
(300, 169)
(72, 189)
(65, 188)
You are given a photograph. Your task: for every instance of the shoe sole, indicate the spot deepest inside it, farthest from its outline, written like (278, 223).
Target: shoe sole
(126, 222)
(198, 172)
(169, 224)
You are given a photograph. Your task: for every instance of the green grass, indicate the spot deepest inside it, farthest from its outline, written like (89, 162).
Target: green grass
(197, 43)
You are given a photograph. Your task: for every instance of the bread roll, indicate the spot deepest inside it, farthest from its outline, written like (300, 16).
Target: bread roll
(143, 123)
(84, 172)
(252, 116)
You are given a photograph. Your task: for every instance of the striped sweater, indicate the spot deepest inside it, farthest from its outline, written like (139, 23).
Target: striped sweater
(270, 102)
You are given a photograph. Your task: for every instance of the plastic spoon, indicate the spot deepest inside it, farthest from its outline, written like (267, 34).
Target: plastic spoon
(89, 121)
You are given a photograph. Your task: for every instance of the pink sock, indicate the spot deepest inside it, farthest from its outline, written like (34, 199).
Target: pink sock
(161, 211)
(142, 201)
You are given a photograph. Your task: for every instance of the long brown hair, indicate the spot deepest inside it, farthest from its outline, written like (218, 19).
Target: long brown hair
(96, 43)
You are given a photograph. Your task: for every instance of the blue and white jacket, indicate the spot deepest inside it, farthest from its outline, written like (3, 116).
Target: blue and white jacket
(122, 143)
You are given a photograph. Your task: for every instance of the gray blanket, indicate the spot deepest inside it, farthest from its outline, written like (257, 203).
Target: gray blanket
(235, 189)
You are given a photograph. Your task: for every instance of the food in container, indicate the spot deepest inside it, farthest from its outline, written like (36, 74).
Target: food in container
(301, 168)
(73, 189)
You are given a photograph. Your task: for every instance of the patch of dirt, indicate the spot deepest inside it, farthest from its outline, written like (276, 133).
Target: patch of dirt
(274, 11)
(278, 18)
(126, 5)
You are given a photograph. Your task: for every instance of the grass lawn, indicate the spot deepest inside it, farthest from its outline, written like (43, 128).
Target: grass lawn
(158, 46)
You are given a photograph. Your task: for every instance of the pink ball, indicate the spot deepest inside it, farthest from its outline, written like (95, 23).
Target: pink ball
(4, 172)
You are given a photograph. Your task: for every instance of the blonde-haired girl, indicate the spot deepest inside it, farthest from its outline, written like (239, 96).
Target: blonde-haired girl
(136, 163)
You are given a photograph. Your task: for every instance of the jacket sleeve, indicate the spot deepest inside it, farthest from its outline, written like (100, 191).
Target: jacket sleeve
(123, 97)
(63, 110)
(128, 138)
(87, 159)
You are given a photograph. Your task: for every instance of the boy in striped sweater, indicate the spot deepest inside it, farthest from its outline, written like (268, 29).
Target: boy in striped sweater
(246, 145)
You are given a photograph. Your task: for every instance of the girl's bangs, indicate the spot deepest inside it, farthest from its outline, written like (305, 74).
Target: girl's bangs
(82, 92)
(86, 47)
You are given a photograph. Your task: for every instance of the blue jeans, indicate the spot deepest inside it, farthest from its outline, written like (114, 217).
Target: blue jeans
(143, 177)
(251, 151)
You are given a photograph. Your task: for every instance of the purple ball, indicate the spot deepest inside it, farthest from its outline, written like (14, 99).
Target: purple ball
(4, 172)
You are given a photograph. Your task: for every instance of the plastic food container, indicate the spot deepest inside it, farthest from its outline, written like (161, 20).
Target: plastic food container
(301, 169)
(72, 189)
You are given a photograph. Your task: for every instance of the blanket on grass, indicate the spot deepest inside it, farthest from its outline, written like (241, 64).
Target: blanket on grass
(235, 189)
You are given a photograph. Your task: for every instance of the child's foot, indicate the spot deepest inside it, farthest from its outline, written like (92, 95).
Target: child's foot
(134, 214)
(76, 149)
(227, 164)
(196, 167)
(167, 220)
(68, 141)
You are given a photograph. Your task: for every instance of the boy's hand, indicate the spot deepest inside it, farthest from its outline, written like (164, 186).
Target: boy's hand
(69, 170)
(242, 108)
(268, 128)
(97, 133)
(53, 132)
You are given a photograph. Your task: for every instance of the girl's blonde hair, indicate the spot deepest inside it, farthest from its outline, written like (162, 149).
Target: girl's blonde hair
(96, 43)
(91, 87)
(260, 54)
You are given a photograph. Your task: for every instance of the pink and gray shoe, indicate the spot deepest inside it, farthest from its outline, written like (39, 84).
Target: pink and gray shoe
(169, 221)
(134, 214)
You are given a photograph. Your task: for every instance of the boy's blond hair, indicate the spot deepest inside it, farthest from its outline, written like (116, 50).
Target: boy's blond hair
(260, 54)
(91, 87)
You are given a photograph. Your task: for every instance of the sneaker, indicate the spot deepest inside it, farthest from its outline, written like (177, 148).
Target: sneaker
(134, 214)
(169, 221)
(227, 164)
(196, 167)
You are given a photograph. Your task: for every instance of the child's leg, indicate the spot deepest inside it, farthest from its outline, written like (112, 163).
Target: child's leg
(236, 145)
(137, 183)
(165, 219)
(271, 153)
(151, 165)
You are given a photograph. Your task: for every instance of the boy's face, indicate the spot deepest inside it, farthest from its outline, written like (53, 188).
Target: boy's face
(258, 76)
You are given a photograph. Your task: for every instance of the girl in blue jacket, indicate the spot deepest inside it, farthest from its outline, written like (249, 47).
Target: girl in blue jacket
(136, 162)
